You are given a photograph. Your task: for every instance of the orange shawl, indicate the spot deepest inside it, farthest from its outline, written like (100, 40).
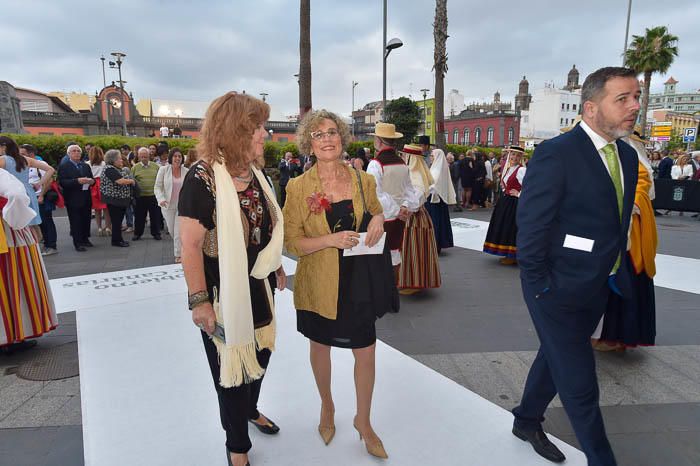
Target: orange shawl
(643, 238)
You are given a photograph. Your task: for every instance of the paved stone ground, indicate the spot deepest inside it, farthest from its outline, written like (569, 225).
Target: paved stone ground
(474, 330)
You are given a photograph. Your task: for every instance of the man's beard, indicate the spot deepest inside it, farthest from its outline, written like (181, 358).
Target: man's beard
(615, 131)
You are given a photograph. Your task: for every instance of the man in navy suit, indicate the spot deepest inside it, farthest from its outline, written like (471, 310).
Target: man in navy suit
(573, 216)
(75, 179)
(665, 167)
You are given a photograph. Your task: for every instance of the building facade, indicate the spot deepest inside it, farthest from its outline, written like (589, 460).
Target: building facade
(550, 110)
(687, 102)
(427, 110)
(490, 129)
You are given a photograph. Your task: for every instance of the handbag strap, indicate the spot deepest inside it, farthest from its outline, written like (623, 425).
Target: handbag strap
(362, 191)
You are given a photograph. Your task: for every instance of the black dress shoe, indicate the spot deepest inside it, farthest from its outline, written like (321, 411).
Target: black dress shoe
(121, 244)
(539, 441)
(157, 237)
(87, 243)
(80, 248)
(135, 237)
(269, 429)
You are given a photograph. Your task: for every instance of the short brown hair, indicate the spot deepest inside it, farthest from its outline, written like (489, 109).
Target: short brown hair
(227, 131)
(310, 123)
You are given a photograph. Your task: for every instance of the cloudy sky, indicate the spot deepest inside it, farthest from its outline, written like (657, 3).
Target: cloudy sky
(197, 50)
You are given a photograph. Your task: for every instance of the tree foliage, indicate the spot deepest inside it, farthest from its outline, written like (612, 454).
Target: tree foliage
(405, 115)
(651, 53)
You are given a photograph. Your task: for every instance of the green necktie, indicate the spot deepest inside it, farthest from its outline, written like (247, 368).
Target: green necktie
(614, 168)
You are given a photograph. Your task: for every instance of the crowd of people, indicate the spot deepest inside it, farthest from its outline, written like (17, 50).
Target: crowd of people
(364, 229)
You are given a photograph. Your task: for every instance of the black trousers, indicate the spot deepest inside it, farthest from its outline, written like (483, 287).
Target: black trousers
(147, 205)
(48, 227)
(237, 404)
(79, 217)
(283, 195)
(565, 364)
(116, 214)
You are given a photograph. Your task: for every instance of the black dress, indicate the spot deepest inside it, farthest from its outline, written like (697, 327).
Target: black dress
(365, 291)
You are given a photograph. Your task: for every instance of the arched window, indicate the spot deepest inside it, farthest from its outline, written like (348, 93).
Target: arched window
(477, 135)
(511, 135)
(455, 136)
(489, 136)
(466, 136)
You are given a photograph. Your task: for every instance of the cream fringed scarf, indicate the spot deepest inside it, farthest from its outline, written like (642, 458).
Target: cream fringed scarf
(237, 357)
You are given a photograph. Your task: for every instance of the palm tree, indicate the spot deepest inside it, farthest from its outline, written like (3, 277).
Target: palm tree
(440, 67)
(651, 53)
(304, 58)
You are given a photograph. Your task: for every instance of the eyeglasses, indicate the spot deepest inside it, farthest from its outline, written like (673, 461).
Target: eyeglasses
(318, 135)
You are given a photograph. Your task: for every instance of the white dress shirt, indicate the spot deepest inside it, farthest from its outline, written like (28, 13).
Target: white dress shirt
(599, 142)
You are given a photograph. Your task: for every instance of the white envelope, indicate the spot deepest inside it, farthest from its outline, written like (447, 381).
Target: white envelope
(578, 243)
(86, 187)
(362, 249)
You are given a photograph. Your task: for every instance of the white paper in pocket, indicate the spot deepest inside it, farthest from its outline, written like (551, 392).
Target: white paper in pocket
(578, 243)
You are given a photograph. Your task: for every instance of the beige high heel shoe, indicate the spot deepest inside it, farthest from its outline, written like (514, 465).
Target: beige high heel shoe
(327, 432)
(375, 448)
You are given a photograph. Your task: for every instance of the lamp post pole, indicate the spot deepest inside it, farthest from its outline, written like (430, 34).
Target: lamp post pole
(627, 29)
(425, 111)
(264, 96)
(119, 56)
(354, 84)
(104, 84)
(384, 55)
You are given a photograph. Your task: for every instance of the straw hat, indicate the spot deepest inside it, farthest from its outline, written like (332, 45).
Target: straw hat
(386, 131)
(412, 149)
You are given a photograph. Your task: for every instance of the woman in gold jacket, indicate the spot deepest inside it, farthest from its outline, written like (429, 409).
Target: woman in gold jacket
(337, 297)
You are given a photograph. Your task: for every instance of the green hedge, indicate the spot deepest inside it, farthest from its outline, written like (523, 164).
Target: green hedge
(53, 148)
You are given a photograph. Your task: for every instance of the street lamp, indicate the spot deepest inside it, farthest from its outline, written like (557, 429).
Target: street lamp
(425, 111)
(104, 84)
(119, 56)
(386, 50)
(354, 84)
(264, 96)
(627, 30)
(271, 133)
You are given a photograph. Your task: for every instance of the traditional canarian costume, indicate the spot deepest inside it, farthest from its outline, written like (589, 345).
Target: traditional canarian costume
(419, 256)
(394, 190)
(500, 238)
(631, 321)
(26, 302)
(442, 195)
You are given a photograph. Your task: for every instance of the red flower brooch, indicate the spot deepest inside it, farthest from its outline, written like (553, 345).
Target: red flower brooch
(318, 202)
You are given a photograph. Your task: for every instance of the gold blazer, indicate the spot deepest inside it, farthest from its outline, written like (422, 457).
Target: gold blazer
(317, 274)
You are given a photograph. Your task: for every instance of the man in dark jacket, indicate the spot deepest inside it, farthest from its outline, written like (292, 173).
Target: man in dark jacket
(75, 178)
(289, 167)
(665, 167)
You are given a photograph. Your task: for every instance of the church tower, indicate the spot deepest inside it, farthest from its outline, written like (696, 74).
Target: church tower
(523, 99)
(572, 80)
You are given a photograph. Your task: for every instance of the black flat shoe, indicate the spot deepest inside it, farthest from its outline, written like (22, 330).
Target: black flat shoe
(270, 429)
(157, 237)
(80, 248)
(135, 237)
(228, 457)
(539, 441)
(88, 244)
(121, 244)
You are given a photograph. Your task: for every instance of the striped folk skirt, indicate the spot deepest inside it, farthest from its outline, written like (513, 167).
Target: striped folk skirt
(419, 257)
(500, 238)
(26, 302)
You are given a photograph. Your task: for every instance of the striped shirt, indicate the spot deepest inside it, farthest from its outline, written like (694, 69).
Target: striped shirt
(145, 176)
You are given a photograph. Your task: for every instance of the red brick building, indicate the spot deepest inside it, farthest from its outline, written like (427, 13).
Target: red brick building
(493, 129)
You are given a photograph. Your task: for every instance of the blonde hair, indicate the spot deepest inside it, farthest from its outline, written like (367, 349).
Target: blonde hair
(310, 123)
(227, 131)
